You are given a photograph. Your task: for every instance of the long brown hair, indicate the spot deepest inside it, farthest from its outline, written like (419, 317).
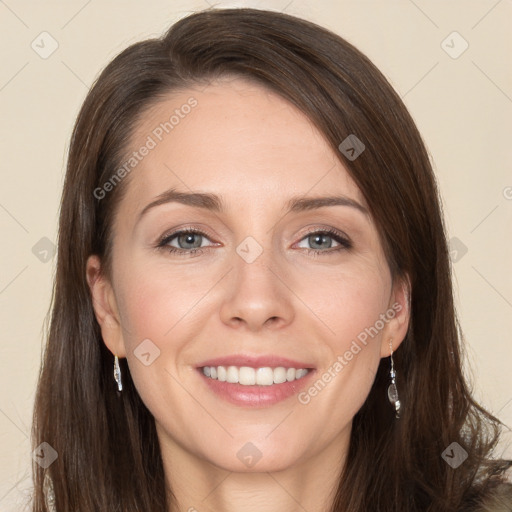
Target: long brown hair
(108, 451)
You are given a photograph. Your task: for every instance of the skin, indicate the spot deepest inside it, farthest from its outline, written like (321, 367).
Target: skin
(256, 151)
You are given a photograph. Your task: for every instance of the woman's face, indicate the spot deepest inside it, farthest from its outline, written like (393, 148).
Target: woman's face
(267, 280)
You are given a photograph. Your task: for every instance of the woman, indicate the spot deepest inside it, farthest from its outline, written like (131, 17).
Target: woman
(303, 352)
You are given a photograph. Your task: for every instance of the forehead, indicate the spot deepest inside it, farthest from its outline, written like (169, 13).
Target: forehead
(237, 139)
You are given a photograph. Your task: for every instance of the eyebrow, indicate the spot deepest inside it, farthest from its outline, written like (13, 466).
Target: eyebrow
(213, 202)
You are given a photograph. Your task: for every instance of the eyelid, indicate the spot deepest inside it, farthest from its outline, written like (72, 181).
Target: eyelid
(167, 236)
(340, 237)
(326, 229)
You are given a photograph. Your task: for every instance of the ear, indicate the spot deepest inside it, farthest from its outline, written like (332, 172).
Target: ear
(105, 307)
(400, 309)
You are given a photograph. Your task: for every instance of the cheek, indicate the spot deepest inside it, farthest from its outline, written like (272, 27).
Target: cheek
(356, 313)
(159, 311)
(154, 301)
(158, 308)
(349, 301)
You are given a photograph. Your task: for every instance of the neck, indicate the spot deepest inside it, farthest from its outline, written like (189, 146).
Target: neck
(200, 486)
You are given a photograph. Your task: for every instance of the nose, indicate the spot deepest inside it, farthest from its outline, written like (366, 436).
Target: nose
(256, 295)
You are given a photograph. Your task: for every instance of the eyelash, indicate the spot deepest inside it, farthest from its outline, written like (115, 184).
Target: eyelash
(332, 233)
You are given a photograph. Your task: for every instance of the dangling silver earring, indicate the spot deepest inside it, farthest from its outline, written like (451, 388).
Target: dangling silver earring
(392, 389)
(117, 374)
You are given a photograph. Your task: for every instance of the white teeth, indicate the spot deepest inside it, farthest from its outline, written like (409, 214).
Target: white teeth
(279, 375)
(298, 374)
(248, 376)
(232, 374)
(265, 376)
(221, 373)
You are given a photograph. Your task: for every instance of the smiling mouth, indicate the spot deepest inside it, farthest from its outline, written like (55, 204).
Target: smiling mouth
(249, 376)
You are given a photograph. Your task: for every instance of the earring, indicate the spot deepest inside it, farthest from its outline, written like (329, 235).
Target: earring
(392, 389)
(117, 374)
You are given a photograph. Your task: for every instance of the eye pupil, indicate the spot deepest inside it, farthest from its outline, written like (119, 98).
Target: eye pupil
(319, 239)
(188, 238)
(189, 241)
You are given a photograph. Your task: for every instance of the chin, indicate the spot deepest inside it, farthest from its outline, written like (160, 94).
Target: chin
(260, 463)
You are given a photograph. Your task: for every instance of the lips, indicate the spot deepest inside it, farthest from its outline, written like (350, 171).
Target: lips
(247, 395)
(261, 361)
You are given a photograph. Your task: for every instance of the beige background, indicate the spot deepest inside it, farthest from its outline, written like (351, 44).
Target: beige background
(462, 107)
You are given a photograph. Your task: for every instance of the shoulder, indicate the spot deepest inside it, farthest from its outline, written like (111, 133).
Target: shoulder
(497, 499)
